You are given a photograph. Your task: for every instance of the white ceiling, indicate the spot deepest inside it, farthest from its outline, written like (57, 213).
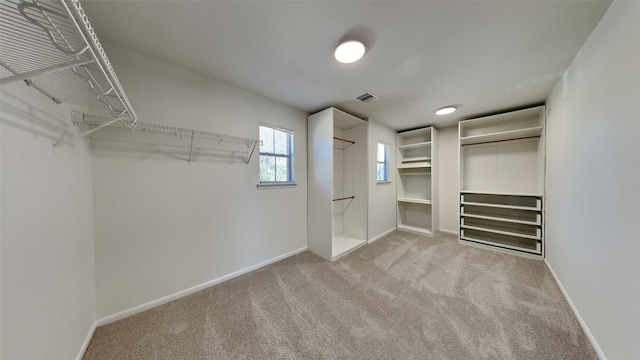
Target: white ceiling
(483, 56)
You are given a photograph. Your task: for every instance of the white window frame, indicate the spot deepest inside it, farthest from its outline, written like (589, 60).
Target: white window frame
(386, 162)
(290, 182)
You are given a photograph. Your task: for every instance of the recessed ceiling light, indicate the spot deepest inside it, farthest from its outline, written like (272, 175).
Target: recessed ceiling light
(349, 51)
(446, 110)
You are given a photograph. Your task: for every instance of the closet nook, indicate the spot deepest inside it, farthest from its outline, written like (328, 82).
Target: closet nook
(502, 162)
(337, 183)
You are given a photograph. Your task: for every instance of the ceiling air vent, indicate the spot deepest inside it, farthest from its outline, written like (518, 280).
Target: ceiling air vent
(366, 97)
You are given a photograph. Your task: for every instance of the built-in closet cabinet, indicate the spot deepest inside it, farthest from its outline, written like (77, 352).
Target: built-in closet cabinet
(417, 186)
(337, 183)
(502, 162)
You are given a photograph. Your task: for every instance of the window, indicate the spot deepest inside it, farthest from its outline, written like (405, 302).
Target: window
(383, 163)
(276, 156)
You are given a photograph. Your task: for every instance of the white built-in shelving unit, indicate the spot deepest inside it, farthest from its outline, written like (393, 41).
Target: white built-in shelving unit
(502, 162)
(417, 188)
(337, 183)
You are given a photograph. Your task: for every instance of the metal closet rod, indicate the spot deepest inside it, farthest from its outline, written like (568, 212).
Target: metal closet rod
(345, 198)
(497, 141)
(345, 140)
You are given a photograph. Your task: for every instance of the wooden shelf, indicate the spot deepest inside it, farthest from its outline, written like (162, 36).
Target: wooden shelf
(414, 200)
(504, 219)
(415, 145)
(502, 206)
(414, 229)
(486, 229)
(506, 193)
(501, 136)
(534, 249)
(416, 165)
(415, 158)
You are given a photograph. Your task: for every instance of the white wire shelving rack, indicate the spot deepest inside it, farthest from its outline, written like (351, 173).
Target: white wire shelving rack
(51, 45)
(97, 122)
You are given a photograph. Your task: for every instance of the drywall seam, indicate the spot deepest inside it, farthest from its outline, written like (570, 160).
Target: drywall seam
(163, 300)
(381, 235)
(581, 321)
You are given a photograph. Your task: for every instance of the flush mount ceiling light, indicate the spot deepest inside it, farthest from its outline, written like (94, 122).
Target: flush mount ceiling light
(446, 110)
(349, 51)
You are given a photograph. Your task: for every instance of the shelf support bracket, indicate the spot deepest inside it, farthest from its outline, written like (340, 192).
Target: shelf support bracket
(34, 73)
(193, 133)
(255, 143)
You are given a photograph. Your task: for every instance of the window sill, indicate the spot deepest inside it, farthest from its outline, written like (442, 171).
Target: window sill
(383, 182)
(276, 185)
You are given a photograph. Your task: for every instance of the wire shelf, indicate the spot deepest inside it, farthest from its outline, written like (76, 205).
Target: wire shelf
(52, 46)
(98, 121)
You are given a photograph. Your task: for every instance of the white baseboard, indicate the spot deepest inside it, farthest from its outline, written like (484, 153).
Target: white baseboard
(452, 232)
(583, 325)
(381, 235)
(87, 341)
(163, 300)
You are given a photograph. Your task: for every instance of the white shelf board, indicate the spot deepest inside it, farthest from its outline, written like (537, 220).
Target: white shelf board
(343, 244)
(415, 158)
(499, 136)
(528, 253)
(414, 165)
(515, 221)
(498, 244)
(501, 206)
(414, 200)
(415, 145)
(410, 133)
(508, 193)
(414, 229)
(426, 173)
(532, 237)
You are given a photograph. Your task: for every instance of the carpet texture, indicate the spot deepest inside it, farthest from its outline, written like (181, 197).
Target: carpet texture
(402, 297)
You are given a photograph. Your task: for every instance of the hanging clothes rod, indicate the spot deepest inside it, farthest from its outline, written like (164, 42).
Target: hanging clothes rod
(345, 140)
(497, 141)
(103, 121)
(344, 198)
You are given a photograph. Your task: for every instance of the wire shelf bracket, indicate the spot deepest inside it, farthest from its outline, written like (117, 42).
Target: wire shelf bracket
(52, 47)
(98, 122)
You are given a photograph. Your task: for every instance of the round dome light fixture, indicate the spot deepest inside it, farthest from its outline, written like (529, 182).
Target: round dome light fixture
(349, 51)
(446, 110)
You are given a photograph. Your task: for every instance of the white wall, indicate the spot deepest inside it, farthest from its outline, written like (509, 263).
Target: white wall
(47, 258)
(163, 224)
(382, 197)
(448, 168)
(593, 173)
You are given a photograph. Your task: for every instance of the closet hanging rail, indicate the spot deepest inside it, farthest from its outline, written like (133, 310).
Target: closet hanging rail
(497, 141)
(345, 140)
(52, 47)
(102, 121)
(344, 198)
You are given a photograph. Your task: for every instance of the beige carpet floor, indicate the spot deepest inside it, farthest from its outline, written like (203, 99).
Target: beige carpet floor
(402, 297)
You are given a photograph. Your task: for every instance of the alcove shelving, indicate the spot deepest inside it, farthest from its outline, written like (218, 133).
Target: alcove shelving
(417, 195)
(337, 183)
(502, 181)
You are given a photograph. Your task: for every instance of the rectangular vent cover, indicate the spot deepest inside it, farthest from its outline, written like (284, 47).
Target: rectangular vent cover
(366, 97)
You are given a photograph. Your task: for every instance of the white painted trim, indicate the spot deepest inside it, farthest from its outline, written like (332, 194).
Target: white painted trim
(452, 232)
(87, 341)
(581, 321)
(381, 235)
(163, 300)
